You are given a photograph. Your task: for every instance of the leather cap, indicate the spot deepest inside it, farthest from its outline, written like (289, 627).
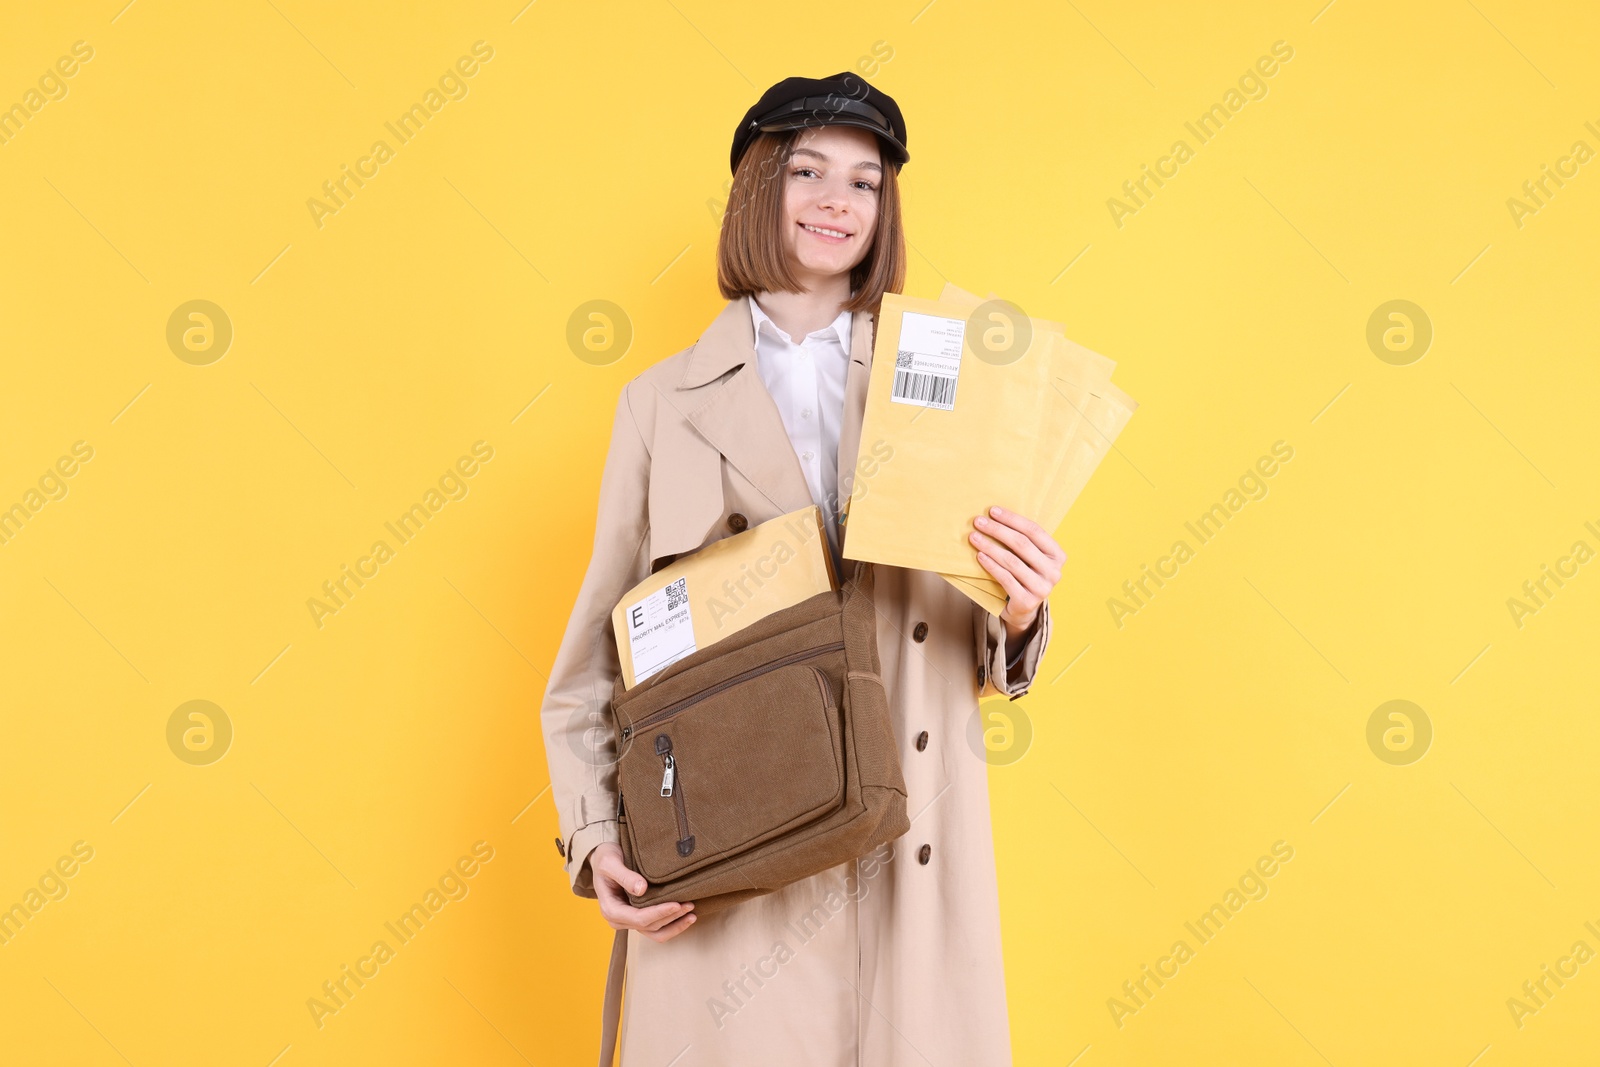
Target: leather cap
(843, 99)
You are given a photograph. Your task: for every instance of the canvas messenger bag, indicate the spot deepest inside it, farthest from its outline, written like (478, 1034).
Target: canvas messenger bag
(763, 758)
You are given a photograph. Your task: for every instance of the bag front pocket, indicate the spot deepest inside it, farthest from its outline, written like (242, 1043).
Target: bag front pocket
(717, 775)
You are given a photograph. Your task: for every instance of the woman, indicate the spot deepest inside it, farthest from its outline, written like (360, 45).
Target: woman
(893, 958)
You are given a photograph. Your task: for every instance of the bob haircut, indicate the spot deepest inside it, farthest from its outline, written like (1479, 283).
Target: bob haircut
(751, 256)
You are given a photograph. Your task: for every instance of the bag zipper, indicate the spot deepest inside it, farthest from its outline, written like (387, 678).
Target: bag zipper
(669, 773)
(677, 706)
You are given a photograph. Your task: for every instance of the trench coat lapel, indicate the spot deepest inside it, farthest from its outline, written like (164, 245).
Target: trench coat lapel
(738, 416)
(685, 485)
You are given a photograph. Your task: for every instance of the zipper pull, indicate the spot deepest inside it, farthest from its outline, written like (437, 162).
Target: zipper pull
(669, 769)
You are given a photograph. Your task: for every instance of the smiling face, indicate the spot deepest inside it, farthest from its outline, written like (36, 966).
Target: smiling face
(829, 177)
(830, 200)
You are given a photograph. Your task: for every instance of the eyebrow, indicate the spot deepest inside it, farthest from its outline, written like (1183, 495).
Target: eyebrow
(863, 165)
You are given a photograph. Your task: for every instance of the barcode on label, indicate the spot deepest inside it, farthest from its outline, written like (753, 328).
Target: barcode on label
(677, 594)
(927, 361)
(934, 390)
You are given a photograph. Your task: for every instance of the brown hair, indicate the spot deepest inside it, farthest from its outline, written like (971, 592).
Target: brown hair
(751, 257)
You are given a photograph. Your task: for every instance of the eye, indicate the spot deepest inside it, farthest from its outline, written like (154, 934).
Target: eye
(803, 170)
(870, 187)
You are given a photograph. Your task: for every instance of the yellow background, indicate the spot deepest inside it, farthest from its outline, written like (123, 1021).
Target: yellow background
(431, 311)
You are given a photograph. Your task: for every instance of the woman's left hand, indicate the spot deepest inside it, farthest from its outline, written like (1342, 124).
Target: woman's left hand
(1023, 558)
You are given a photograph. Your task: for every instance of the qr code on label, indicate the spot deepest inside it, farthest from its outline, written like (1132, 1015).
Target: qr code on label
(903, 359)
(677, 594)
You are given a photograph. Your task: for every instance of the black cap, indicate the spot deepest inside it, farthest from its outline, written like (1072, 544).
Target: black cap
(844, 99)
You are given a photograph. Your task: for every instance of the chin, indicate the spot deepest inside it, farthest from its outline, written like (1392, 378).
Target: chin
(830, 266)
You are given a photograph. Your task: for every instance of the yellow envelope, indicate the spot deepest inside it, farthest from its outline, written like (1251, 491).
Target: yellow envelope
(720, 589)
(985, 592)
(1069, 400)
(1078, 371)
(1074, 364)
(964, 430)
(1104, 414)
(1073, 457)
(1085, 413)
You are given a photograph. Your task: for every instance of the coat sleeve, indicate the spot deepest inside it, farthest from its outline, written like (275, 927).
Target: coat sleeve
(576, 717)
(999, 680)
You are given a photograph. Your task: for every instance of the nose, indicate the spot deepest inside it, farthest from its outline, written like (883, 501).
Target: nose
(835, 193)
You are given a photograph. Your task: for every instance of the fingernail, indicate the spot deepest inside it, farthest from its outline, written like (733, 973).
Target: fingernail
(690, 922)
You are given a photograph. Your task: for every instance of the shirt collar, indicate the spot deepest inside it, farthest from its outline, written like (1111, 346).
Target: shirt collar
(840, 326)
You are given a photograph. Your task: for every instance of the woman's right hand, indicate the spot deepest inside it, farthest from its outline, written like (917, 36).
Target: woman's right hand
(658, 922)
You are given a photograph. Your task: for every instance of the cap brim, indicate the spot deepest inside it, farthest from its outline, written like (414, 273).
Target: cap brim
(897, 153)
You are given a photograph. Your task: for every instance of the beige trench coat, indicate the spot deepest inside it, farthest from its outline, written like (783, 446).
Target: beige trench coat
(890, 959)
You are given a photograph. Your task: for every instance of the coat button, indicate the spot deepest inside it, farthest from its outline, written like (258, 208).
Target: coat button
(982, 675)
(737, 522)
(920, 633)
(922, 740)
(923, 853)
(561, 848)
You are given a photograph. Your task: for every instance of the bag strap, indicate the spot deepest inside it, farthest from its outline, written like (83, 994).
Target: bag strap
(861, 619)
(611, 1011)
(859, 586)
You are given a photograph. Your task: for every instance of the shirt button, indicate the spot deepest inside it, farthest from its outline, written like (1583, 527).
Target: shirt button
(920, 633)
(737, 523)
(806, 414)
(807, 455)
(922, 740)
(923, 853)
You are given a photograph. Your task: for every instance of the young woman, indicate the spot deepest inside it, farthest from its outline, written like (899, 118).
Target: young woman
(893, 958)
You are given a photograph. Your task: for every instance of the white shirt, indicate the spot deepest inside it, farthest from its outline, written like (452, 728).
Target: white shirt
(806, 381)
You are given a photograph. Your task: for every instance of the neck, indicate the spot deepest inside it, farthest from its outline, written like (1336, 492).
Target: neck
(799, 314)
